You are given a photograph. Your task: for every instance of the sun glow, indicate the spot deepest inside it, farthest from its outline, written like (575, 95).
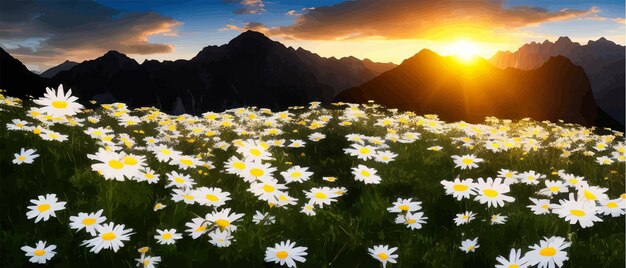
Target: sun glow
(464, 50)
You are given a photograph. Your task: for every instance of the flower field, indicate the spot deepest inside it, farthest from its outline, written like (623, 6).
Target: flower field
(342, 185)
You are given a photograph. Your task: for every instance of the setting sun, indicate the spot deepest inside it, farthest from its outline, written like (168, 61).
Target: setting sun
(464, 50)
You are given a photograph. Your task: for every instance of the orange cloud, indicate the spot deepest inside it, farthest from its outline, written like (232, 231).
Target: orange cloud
(410, 19)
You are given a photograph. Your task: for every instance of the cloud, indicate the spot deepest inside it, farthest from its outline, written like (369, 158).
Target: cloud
(249, 6)
(410, 19)
(253, 26)
(47, 32)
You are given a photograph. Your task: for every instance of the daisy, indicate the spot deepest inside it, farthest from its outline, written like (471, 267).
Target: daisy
(434, 148)
(514, 260)
(220, 239)
(574, 211)
(185, 194)
(285, 252)
(321, 196)
(308, 209)
(604, 160)
(186, 161)
(509, 176)
(254, 151)
(548, 253)
(365, 174)
(553, 188)
(49, 135)
(405, 205)
(469, 245)
(224, 219)
(264, 218)
(258, 171)
(361, 152)
(110, 236)
(148, 261)
(459, 189)
(540, 206)
(385, 156)
(197, 227)
(592, 193)
(17, 124)
(467, 161)
(267, 189)
(167, 237)
(329, 179)
(164, 154)
(57, 103)
(235, 166)
(530, 177)
(383, 254)
(412, 220)
(316, 136)
(464, 217)
(40, 253)
(179, 180)
(211, 196)
(158, 206)
(614, 207)
(296, 174)
(492, 192)
(89, 221)
(296, 144)
(44, 207)
(148, 175)
(25, 156)
(497, 219)
(116, 166)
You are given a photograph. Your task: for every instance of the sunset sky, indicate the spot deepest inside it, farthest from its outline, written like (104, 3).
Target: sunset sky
(45, 33)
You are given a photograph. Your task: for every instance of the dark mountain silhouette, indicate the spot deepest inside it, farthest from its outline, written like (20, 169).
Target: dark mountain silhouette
(602, 60)
(251, 70)
(16, 79)
(429, 83)
(66, 65)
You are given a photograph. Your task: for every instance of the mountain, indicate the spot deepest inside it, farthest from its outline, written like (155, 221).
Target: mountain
(602, 60)
(16, 79)
(66, 65)
(428, 83)
(251, 70)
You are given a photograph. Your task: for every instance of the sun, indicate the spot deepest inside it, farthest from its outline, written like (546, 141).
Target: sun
(464, 50)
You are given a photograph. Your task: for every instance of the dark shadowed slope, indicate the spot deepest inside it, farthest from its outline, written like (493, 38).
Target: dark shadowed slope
(602, 60)
(429, 83)
(16, 79)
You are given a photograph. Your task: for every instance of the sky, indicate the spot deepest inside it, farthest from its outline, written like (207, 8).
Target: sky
(44, 33)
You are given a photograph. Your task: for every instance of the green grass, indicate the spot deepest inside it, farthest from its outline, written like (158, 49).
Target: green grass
(340, 234)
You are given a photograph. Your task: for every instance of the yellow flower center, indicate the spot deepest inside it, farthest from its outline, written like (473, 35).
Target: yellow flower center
(282, 254)
(589, 195)
(470, 248)
(166, 236)
(222, 223)
(239, 165)
(116, 164)
(490, 192)
(364, 173)
(186, 162)
(460, 187)
(255, 152)
(188, 197)
(577, 212)
(21, 158)
(320, 195)
(296, 174)
(43, 207)
(179, 180)
(108, 236)
(410, 221)
(89, 221)
(59, 104)
(129, 160)
(403, 207)
(545, 206)
(554, 189)
(256, 172)
(39, 252)
(211, 197)
(146, 262)
(149, 176)
(166, 151)
(573, 181)
(547, 252)
(611, 205)
(201, 228)
(513, 266)
(467, 161)
(383, 256)
(364, 150)
(268, 188)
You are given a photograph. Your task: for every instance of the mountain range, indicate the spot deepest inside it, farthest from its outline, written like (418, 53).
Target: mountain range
(431, 84)
(602, 60)
(253, 70)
